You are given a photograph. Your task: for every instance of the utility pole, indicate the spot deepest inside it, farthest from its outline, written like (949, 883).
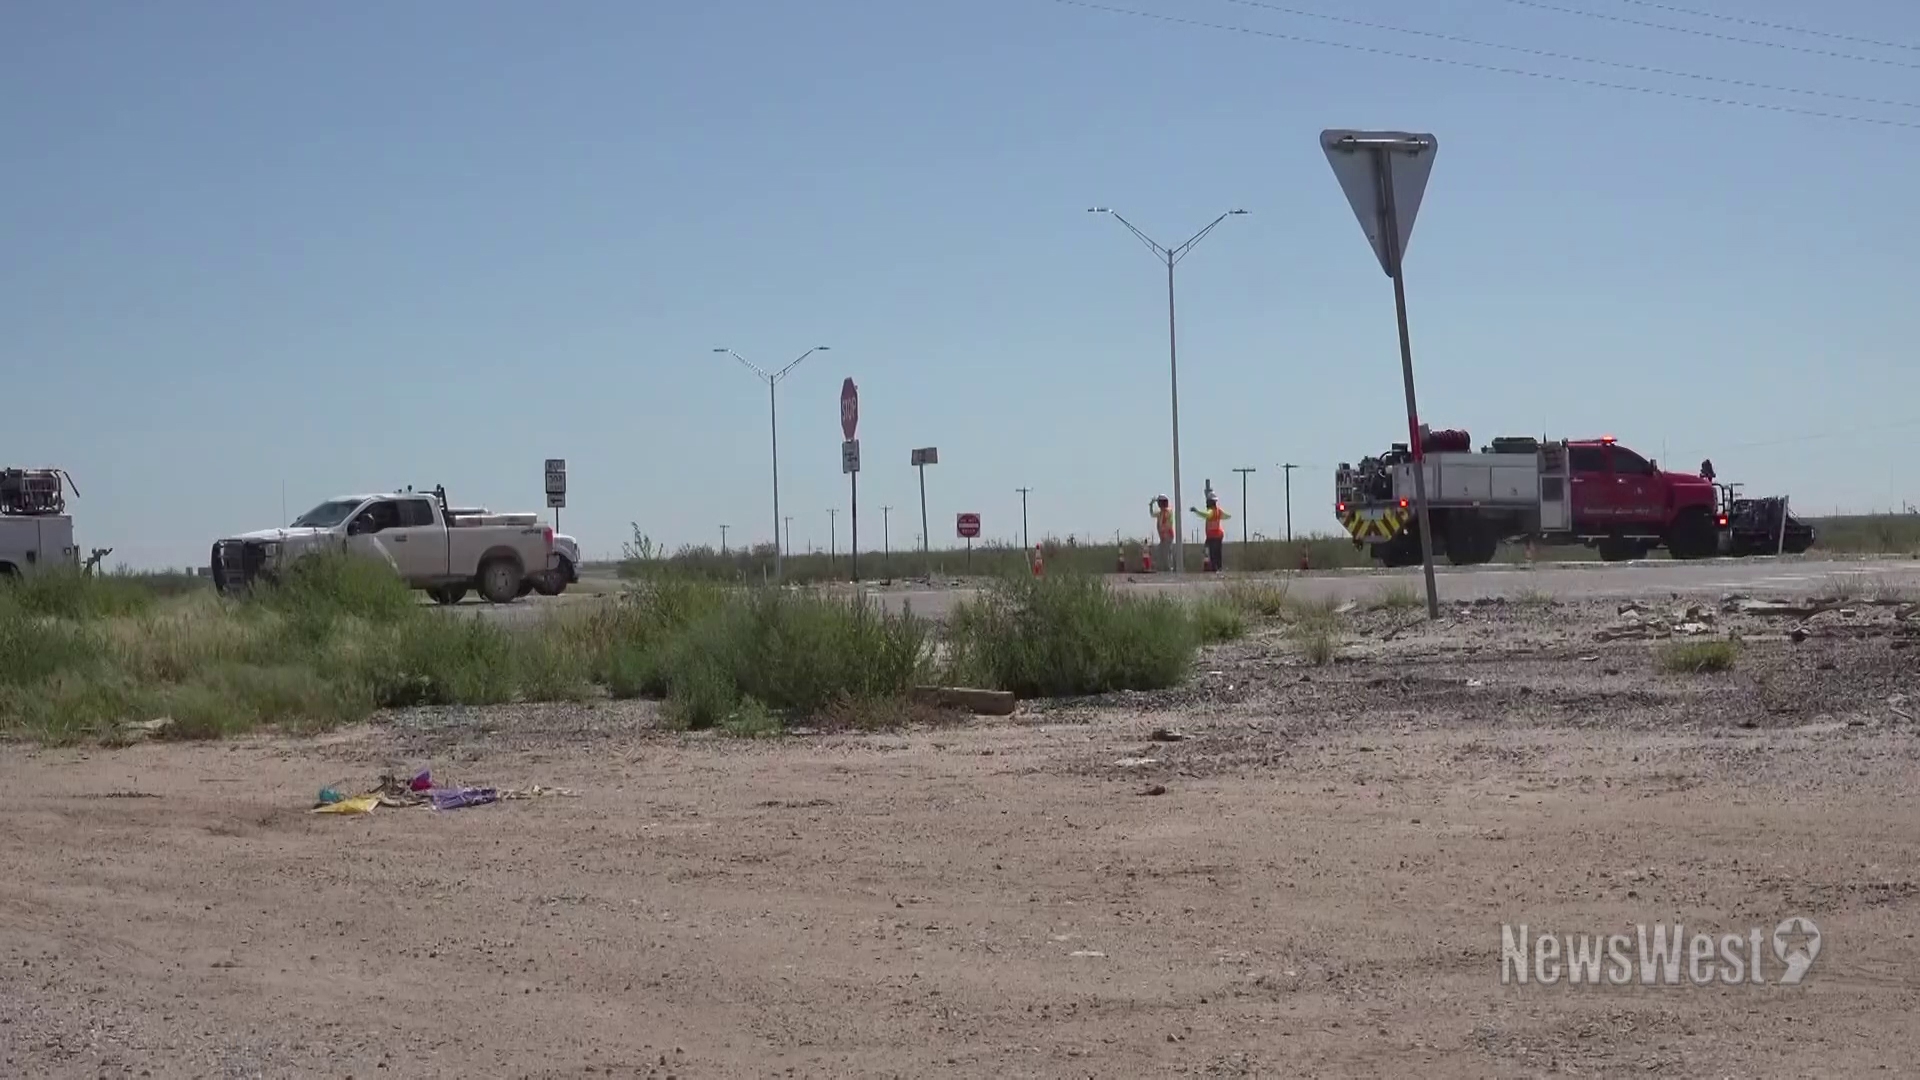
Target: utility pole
(1171, 256)
(1288, 470)
(1025, 541)
(776, 540)
(886, 542)
(1243, 499)
(723, 539)
(772, 379)
(832, 536)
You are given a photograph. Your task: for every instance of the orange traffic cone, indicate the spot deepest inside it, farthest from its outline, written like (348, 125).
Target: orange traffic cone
(1146, 559)
(1038, 562)
(1206, 564)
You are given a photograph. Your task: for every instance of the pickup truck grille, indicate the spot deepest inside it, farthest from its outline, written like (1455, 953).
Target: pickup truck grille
(235, 564)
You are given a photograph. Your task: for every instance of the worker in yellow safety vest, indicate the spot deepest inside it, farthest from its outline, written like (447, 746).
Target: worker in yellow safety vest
(1215, 518)
(1162, 511)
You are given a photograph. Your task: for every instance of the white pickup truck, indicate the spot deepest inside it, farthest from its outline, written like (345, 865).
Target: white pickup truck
(412, 532)
(563, 568)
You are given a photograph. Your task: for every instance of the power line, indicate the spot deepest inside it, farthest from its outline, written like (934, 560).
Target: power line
(1603, 17)
(1673, 9)
(1495, 69)
(1547, 54)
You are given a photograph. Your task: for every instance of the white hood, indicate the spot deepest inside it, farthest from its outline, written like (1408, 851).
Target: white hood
(280, 534)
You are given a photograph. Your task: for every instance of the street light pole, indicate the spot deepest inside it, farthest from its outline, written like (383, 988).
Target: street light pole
(1288, 470)
(772, 379)
(1171, 256)
(1243, 499)
(832, 536)
(1025, 540)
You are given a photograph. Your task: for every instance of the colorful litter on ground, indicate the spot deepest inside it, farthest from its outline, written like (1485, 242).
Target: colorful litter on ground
(420, 790)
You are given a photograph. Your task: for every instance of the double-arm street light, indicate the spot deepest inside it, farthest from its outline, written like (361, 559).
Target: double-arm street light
(1171, 256)
(772, 379)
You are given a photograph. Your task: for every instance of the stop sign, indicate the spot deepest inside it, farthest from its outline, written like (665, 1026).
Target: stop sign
(849, 408)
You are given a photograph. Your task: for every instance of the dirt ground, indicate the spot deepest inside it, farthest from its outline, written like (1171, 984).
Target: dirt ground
(1311, 883)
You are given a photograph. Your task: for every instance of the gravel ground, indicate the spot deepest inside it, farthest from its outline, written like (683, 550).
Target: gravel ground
(1280, 869)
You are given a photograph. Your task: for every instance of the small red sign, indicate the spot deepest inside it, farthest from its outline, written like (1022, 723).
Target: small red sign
(967, 525)
(849, 408)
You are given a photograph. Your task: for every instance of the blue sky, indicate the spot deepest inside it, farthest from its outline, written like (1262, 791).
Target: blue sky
(357, 246)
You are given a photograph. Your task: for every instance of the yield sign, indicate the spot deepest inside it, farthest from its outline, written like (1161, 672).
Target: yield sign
(1361, 161)
(849, 408)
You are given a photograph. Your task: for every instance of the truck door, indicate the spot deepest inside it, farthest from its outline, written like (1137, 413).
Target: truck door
(419, 544)
(1640, 499)
(1593, 496)
(372, 532)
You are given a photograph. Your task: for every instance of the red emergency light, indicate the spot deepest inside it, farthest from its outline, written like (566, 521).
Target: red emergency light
(1403, 504)
(1339, 508)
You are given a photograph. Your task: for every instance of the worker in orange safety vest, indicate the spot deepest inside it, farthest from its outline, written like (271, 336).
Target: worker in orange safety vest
(1162, 511)
(1215, 518)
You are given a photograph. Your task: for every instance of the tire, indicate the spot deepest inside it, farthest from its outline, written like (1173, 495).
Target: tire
(1617, 551)
(1470, 542)
(448, 594)
(526, 589)
(1693, 536)
(500, 581)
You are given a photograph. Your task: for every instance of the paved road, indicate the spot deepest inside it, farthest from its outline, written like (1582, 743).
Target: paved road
(1652, 578)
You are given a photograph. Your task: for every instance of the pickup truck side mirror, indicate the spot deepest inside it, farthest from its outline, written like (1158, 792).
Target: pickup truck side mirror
(359, 525)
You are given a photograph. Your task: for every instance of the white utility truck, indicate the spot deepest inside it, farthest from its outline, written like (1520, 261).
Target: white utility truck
(36, 533)
(432, 550)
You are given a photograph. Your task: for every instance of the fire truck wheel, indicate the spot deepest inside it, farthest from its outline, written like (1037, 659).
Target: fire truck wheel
(1693, 536)
(1470, 542)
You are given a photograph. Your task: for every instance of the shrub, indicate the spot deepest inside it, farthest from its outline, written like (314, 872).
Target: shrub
(1216, 620)
(1260, 600)
(1069, 634)
(70, 594)
(1697, 657)
(319, 587)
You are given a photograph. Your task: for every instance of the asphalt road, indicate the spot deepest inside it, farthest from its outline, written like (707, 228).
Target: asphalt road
(1652, 578)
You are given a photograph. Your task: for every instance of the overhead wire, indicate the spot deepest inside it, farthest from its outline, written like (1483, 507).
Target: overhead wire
(1495, 68)
(1697, 32)
(1644, 69)
(1761, 24)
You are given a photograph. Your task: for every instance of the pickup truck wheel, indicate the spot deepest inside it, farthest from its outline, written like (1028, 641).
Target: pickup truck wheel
(1693, 536)
(500, 581)
(448, 594)
(526, 587)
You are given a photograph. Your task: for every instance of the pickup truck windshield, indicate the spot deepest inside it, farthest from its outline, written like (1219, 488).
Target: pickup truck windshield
(326, 515)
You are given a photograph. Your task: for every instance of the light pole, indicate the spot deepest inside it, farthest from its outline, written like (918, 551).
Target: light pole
(1287, 470)
(772, 379)
(1171, 256)
(1243, 499)
(1025, 540)
(832, 536)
